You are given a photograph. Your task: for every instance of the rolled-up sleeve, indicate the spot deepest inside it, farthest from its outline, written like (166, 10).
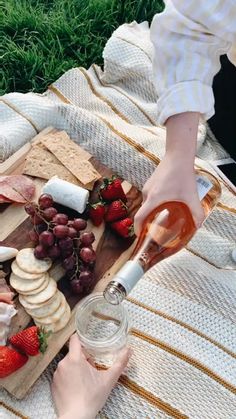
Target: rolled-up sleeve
(188, 39)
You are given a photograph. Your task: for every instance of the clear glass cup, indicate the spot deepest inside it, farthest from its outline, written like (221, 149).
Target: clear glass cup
(102, 328)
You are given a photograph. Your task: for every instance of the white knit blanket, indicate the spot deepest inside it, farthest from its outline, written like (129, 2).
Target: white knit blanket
(184, 309)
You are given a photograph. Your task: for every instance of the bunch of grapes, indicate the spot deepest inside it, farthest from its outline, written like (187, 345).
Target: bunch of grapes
(57, 237)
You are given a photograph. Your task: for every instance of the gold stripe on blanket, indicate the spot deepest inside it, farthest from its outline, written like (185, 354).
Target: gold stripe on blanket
(15, 109)
(196, 364)
(12, 410)
(183, 324)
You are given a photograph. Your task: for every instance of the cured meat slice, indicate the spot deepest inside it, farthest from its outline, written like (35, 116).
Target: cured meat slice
(16, 188)
(6, 295)
(4, 200)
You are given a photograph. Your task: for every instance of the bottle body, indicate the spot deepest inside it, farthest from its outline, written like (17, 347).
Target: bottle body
(166, 230)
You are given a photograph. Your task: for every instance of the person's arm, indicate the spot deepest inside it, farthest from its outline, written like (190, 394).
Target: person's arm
(188, 39)
(79, 390)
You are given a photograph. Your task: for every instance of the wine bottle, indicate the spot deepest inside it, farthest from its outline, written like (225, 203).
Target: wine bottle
(165, 231)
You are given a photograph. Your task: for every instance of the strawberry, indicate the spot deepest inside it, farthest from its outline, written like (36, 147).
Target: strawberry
(125, 227)
(31, 340)
(116, 210)
(97, 212)
(111, 189)
(10, 361)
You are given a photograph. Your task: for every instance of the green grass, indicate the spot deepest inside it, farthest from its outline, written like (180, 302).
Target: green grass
(41, 39)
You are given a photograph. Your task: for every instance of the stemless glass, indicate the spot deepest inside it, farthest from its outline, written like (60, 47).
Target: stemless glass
(102, 328)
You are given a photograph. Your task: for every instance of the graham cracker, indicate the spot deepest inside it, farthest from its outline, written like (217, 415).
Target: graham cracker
(73, 157)
(46, 170)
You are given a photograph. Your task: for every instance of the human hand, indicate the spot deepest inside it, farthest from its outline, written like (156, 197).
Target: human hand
(79, 390)
(173, 180)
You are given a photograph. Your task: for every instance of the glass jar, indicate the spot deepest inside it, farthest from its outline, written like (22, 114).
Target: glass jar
(102, 328)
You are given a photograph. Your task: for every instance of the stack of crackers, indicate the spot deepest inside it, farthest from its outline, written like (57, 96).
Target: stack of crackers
(56, 154)
(38, 292)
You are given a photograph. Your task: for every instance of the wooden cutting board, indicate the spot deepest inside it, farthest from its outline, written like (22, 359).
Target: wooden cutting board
(111, 250)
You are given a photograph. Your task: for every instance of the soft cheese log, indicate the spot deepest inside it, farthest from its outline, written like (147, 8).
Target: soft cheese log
(67, 194)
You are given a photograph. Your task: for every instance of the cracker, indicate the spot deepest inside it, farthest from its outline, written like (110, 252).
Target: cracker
(46, 309)
(55, 327)
(39, 289)
(24, 285)
(22, 274)
(54, 317)
(31, 306)
(46, 170)
(74, 158)
(39, 152)
(44, 295)
(28, 262)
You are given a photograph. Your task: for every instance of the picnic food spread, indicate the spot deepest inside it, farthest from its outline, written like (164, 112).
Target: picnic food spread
(62, 219)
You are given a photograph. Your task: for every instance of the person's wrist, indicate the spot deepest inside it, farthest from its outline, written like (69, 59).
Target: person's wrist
(180, 160)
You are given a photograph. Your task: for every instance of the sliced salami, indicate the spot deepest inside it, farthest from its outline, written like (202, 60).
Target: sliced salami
(4, 200)
(16, 188)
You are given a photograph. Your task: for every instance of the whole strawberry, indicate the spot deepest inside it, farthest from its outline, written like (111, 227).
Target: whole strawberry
(31, 340)
(10, 361)
(111, 189)
(125, 227)
(97, 212)
(116, 210)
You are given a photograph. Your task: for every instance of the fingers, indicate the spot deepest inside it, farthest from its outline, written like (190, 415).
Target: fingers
(75, 349)
(119, 365)
(141, 216)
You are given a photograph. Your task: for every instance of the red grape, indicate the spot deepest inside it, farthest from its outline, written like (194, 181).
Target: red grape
(79, 224)
(66, 243)
(45, 201)
(46, 239)
(69, 263)
(41, 227)
(40, 252)
(76, 286)
(37, 219)
(54, 252)
(87, 254)
(30, 208)
(34, 237)
(61, 231)
(49, 213)
(72, 232)
(70, 274)
(66, 252)
(87, 238)
(86, 277)
(60, 219)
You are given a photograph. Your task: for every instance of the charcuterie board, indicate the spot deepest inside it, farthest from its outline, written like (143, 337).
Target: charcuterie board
(111, 252)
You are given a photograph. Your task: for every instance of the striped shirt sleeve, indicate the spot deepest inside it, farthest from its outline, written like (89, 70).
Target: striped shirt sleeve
(188, 37)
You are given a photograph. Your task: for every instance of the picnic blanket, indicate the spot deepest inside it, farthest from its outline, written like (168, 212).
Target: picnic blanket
(183, 311)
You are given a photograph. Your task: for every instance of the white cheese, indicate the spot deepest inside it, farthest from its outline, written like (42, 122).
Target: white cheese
(7, 253)
(67, 194)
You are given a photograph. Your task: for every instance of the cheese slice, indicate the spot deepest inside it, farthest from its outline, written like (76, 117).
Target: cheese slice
(67, 194)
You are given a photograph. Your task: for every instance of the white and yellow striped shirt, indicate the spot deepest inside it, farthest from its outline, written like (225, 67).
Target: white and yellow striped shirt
(188, 37)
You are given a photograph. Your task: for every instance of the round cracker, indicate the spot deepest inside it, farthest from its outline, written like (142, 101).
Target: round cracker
(27, 262)
(21, 285)
(39, 289)
(22, 274)
(54, 317)
(44, 295)
(55, 327)
(46, 309)
(30, 306)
